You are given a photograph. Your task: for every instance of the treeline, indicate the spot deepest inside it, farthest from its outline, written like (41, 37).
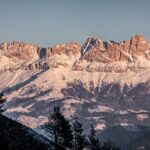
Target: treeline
(71, 136)
(2, 101)
(68, 135)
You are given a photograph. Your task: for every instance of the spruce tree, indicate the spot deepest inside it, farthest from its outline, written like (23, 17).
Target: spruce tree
(2, 101)
(60, 129)
(94, 143)
(78, 137)
(110, 146)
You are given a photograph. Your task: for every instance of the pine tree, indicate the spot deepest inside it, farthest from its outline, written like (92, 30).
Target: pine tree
(66, 133)
(78, 137)
(60, 129)
(110, 146)
(2, 101)
(94, 143)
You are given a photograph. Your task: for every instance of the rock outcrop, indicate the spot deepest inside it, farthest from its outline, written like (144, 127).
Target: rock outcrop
(19, 50)
(69, 49)
(111, 56)
(96, 50)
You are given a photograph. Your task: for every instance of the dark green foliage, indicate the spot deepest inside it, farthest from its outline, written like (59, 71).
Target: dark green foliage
(94, 143)
(110, 146)
(78, 137)
(62, 134)
(2, 101)
(15, 136)
(60, 129)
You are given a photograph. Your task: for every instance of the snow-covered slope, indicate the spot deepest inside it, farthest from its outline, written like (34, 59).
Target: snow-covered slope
(103, 83)
(92, 96)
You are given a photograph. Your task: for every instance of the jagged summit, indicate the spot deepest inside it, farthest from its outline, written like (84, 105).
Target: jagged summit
(132, 54)
(97, 55)
(91, 42)
(138, 37)
(114, 51)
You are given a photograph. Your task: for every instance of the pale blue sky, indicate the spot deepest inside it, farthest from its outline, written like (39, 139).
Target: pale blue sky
(48, 22)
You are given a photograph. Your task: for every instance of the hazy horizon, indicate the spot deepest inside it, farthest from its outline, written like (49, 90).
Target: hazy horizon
(48, 22)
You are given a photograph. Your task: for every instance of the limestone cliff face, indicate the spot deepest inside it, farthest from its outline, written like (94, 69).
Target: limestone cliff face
(56, 56)
(133, 55)
(19, 50)
(69, 49)
(96, 50)
(93, 55)
(137, 46)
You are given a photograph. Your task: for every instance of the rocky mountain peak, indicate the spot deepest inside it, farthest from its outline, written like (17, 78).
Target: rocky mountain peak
(71, 48)
(91, 43)
(138, 45)
(19, 50)
(138, 37)
(112, 50)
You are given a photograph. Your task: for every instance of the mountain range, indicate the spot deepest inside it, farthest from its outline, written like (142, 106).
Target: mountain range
(102, 83)
(93, 56)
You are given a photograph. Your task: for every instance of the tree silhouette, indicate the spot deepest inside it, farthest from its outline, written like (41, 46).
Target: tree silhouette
(94, 143)
(60, 129)
(110, 146)
(78, 137)
(2, 101)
